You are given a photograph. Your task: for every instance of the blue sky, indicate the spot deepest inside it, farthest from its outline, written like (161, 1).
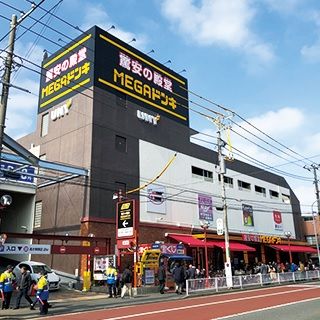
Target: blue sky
(260, 58)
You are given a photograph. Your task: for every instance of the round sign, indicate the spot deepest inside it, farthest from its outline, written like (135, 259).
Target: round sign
(6, 200)
(62, 249)
(96, 250)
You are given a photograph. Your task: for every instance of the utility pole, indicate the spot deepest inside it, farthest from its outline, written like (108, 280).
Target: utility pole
(222, 169)
(314, 167)
(8, 68)
(6, 77)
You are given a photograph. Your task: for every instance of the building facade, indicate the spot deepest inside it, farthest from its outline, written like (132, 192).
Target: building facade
(108, 107)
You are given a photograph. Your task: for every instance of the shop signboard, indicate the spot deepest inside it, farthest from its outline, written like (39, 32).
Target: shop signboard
(277, 219)
(127, 72)
(67, 72)
(125, 219)
(205, 207)
(23, 248)
(247, 212)
(261, 238)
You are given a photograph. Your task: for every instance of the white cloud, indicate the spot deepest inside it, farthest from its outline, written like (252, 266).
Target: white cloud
(311, 53)
(97, 15)
(287, 6)
(278, 123)
(218, 22)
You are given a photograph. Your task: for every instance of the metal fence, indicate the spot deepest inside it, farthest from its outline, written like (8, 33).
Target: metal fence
(239, 282)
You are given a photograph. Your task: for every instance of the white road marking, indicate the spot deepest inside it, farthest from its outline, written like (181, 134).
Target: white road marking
(265, 309)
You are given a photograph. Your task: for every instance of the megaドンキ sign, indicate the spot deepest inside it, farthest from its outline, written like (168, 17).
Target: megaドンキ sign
(126, 219)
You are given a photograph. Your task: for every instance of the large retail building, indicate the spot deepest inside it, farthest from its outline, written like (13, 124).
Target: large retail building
(110, 108)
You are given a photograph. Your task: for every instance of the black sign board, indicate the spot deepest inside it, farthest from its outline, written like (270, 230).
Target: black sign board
(124, 70)
(67, 72)
(126, 219)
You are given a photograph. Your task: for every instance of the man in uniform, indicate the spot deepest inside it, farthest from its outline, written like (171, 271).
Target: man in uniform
(43, 293)
(6, 287)
(111, 274)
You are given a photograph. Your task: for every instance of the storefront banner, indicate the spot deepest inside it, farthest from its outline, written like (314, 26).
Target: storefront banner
(205, 207)
(247, 212)
(277, 218)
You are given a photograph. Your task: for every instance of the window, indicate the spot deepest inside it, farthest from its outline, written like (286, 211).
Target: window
(38, 214)
(260, 191)
(285, 198)
(201, 173)
(244, 185)
(274, 194)
(121, 143)
(44, 124)
(227, 180)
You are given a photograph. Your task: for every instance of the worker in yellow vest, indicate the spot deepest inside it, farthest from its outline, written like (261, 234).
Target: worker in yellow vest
(111, 274)
(43, 293)
(6, 287)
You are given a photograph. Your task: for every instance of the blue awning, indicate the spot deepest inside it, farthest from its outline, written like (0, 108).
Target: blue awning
(177, 256)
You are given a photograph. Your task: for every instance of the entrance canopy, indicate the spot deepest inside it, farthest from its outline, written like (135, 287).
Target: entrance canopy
(187, 239)
(287, 248)
(234, 246)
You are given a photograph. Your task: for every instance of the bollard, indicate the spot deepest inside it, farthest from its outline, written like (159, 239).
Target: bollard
(86, 281)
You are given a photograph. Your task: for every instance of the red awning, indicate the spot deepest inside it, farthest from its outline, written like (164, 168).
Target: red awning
(187, 239)
(291, 248)
(234, 246)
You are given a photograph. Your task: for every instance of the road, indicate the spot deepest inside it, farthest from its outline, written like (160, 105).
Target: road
(255, 303)
(286, 302)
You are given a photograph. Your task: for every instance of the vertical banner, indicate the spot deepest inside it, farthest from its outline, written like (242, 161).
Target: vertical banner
(205, 207)
(277, 218)
(247, 213)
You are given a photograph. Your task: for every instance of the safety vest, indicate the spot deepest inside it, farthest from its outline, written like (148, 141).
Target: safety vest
(111, 275)
(43, 290)
(6, 280)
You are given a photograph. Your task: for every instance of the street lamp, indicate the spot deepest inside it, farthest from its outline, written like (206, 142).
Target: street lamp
(315, 230)
(288, 235)
(205, 227)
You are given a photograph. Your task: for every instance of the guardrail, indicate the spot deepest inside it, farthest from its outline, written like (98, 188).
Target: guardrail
(239, 282)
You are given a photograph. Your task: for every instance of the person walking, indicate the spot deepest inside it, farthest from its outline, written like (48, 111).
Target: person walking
(179, 277)
(126, 282)
(23, 286)
(43, 293)
(111, 274)
(162, 277)
(6, 287)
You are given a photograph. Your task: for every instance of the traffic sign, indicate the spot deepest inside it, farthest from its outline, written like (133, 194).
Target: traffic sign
(125, 219)
(6, 200)
(96, 250)
(62, 249)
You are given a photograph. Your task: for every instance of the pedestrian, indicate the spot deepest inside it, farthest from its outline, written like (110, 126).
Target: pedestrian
(126, 280)
(162, 277)
(43, 293)
(111, 274)
(179, 277)
(6, 286)
(23, 286)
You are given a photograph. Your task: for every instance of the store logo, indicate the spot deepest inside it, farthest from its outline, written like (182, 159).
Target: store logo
(61, 111)
(148, 118)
